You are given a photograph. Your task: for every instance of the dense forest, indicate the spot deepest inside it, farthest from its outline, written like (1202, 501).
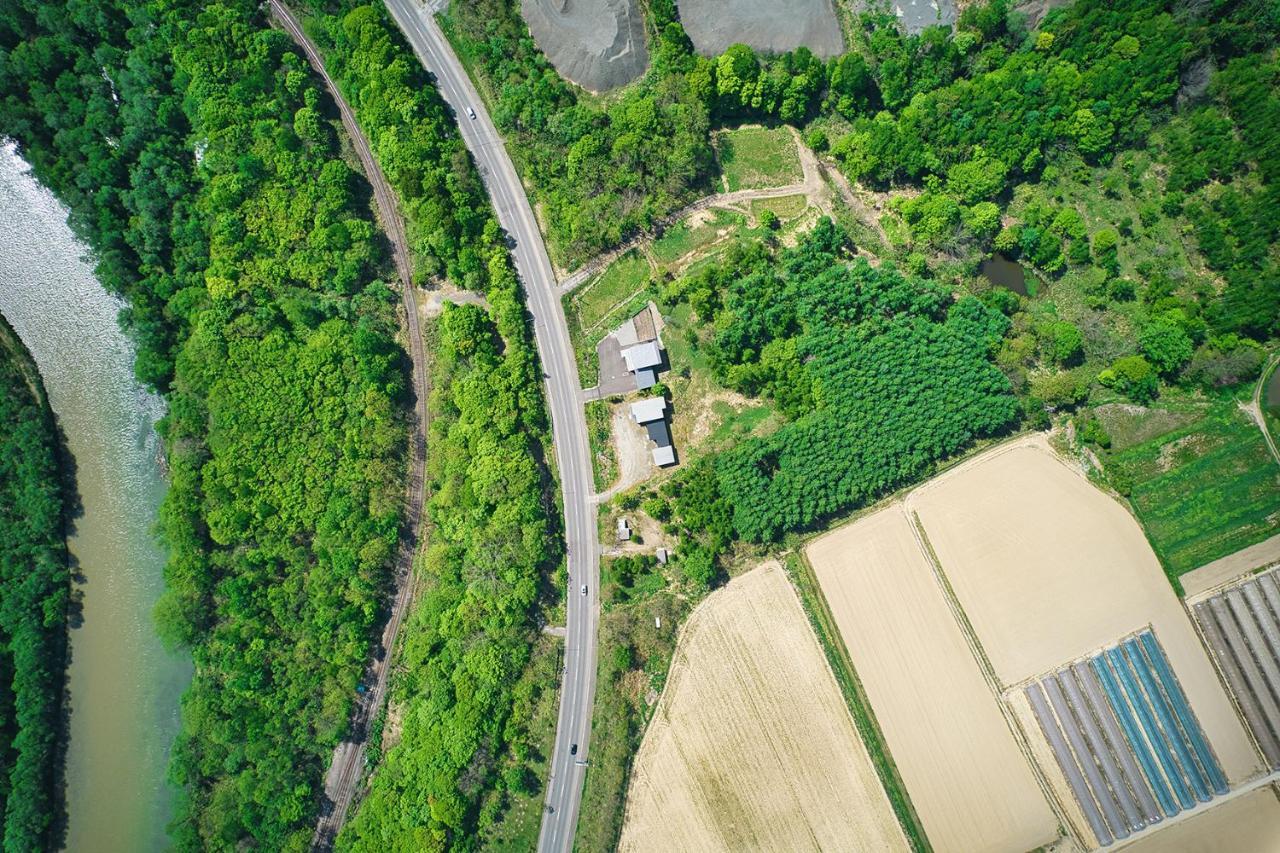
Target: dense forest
(880, 374)
(466, 688)
(467, 679)
(602, 172)
(35, 587)
(413, 137)
(192, 147)
(965, 115)
(204, 166)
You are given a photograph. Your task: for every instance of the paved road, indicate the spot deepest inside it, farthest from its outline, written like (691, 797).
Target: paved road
(345, 768)
(568, 420)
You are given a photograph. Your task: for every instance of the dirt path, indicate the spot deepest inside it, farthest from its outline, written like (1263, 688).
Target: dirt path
(1254, 407)
(855, 202)
(348, 757)
(811, 187)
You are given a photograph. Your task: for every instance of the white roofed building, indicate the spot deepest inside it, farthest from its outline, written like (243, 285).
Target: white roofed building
(651, 414)
(643, 359)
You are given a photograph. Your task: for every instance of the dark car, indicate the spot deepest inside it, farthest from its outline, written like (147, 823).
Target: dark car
(573, 749)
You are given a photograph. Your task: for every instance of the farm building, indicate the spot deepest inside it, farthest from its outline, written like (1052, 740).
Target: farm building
(643, 360)
(650, 413)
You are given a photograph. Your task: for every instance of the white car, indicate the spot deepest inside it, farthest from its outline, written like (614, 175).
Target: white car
(584, 589)
(471, 113)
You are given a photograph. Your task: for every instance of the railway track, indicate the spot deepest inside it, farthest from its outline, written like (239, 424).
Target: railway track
(347, 765)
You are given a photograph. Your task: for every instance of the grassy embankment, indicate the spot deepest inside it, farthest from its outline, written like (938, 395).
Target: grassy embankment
(604, 462)
(634, 658)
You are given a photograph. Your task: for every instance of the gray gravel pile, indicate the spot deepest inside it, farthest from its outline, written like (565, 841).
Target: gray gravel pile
(598, 44)
(769, 26)
(915, 15)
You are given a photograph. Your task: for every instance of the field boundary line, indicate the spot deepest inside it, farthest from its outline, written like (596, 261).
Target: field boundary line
(1020, 737)
(858, 704)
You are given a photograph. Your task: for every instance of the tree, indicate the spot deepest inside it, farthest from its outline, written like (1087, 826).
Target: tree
(1166, 345)
(1066, 344)
(1132, 376)
(851, 87)
(979, 179)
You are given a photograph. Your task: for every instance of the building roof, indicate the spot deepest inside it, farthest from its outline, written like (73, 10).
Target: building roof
(648, 409)
(646, 378)
(664, 456)
(642, 355)
(658, 433)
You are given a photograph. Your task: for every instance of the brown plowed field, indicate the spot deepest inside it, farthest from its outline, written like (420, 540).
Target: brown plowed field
(1048, 568)
(969, 782)
(752, 746)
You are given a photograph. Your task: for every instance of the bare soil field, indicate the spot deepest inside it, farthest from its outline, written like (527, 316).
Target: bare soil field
(1249, 823)
(1048, 568)
(766, 25)
(598, 44)
(1230, 567)
(967, 777)
(752, 746)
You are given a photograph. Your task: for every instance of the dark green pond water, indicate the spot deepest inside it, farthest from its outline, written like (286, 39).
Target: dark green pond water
(1271, 396)
(1003, 272)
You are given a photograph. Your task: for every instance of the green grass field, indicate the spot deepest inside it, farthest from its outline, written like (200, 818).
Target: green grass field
(784, 207)
(1202, 490)
(635, 655)
(758, 158)
(602, 297)
(681, 238)
(600, 434)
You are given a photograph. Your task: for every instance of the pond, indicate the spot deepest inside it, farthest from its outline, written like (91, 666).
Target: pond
(1005, 273)
(123, 685)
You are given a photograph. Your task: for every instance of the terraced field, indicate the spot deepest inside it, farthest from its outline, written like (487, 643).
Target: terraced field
(1202, 490)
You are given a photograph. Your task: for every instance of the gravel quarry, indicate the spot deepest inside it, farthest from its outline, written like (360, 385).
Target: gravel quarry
(765, 25)
(598, 44)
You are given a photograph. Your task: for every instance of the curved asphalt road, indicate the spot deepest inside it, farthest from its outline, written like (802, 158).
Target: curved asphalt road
(568, 422)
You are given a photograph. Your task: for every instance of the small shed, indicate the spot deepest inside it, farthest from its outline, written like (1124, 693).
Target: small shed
(624, 530)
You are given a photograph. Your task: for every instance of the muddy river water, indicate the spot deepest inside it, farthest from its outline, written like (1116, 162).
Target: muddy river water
(124, 686)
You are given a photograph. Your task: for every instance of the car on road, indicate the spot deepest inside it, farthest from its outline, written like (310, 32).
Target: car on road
(471, 113)
(573, 749)
(584, 589)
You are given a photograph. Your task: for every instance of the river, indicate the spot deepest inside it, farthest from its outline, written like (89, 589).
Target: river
(124, 686)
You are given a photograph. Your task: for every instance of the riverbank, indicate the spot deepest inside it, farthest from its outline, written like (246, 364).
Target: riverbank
(122, 686)
(34, 585)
